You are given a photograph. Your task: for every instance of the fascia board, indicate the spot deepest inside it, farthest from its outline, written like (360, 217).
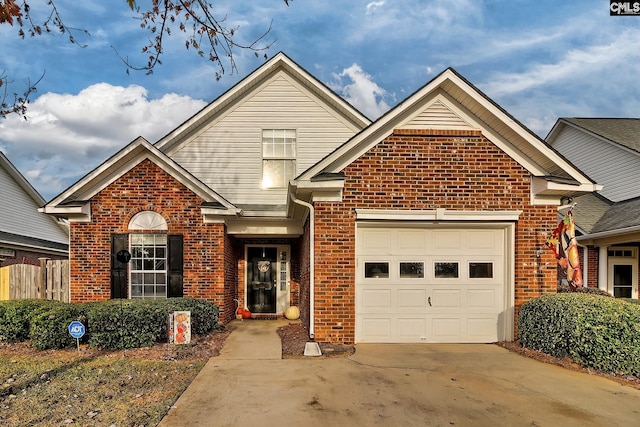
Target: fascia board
(540, 185)
(522, 132)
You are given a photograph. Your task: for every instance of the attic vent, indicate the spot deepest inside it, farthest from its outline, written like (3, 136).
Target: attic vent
(437, 116)
(147, 220)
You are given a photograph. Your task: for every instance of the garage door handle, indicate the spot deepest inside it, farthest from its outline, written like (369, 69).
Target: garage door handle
(429, 301)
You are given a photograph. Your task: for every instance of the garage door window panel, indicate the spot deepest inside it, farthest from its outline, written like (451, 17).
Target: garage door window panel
(446, 270)
(411, 270)
(481, 270)
(376, 270)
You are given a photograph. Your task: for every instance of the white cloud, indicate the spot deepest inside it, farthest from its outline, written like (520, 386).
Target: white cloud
(361, 91)
(67, 135)
(597, 80)
(373, 6)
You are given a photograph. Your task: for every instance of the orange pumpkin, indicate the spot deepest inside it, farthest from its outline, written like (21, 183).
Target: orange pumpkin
(246, 314)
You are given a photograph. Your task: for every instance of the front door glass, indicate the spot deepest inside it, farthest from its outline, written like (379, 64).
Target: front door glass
(622, 281)
(262, 275)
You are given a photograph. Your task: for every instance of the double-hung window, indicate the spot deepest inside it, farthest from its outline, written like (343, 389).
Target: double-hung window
(148, 265)
(278, 157)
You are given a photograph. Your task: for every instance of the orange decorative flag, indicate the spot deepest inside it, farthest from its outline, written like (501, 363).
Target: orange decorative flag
(565, 248)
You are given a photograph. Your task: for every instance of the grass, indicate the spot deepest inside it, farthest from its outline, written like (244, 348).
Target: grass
(109, 390)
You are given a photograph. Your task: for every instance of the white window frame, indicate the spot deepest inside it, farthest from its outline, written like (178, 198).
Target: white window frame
(270, 154)
(143, 272)
(632, 261)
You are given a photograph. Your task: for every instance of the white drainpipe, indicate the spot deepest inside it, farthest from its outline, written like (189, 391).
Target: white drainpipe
(311, 264)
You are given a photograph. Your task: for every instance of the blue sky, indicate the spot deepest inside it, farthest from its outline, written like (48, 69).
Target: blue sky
(539, 60)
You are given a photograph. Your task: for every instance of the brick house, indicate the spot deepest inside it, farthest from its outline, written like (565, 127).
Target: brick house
(423, 226)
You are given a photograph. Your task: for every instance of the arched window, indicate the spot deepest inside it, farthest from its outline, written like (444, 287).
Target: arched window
(148, 266)
(148, 220)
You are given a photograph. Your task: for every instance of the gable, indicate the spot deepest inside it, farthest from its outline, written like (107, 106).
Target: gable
(226, 152)
(415, 171)
(74, 202)
(449, 100)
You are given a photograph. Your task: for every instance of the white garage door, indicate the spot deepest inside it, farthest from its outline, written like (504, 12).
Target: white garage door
(430, 283)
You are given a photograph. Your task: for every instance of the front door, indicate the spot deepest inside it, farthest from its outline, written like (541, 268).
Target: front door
(262, 277)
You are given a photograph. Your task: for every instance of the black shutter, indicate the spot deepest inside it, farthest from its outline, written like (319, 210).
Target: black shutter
(119, 274)
(174, 266)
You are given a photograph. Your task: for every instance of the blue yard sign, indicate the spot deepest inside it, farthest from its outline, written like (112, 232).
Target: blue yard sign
(76, 329)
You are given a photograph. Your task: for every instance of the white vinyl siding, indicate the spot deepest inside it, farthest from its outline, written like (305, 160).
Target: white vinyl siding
(621, 182)
(227, 155)
(19, 213)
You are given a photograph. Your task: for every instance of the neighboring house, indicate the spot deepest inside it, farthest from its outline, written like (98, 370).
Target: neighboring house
(607, 222)
(25, 233)
(423, 226)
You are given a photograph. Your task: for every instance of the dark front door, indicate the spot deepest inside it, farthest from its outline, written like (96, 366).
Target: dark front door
(262, 274)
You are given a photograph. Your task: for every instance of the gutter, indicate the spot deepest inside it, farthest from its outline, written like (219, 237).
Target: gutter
(311, 263)
(605, 234)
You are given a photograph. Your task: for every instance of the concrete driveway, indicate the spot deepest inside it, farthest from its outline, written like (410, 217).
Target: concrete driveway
(402, 385)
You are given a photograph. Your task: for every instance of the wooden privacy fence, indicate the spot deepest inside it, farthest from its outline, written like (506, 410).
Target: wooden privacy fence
(49, 281)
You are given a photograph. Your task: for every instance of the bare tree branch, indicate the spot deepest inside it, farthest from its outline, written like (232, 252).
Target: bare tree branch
(193, 17)
(19, 103)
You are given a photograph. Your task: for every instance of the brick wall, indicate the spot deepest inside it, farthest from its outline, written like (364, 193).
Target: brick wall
(422, 171)
(147, 187)
(593, 258)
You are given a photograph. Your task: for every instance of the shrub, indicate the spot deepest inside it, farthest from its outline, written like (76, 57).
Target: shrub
(595, 331)
(50, 328)
(16, 315)
(584, 290)
(204, 314)
(120, 324)
(113, 324)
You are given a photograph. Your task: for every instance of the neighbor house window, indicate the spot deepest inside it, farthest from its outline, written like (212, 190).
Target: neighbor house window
(278, 157)
(148, 265)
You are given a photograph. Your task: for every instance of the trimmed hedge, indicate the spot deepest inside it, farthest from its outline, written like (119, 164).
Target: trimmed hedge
(16, 316)
(120, 324)
(584, 290)
(596, 331)
(112, 325)
(50, 328)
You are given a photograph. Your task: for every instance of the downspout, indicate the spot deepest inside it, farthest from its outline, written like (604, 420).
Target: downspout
(311, 264)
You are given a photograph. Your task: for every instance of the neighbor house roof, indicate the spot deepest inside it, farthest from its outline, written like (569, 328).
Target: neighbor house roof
(622, 131)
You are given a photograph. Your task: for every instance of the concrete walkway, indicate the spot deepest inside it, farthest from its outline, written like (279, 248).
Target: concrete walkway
(253, 340)
(392, 385)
